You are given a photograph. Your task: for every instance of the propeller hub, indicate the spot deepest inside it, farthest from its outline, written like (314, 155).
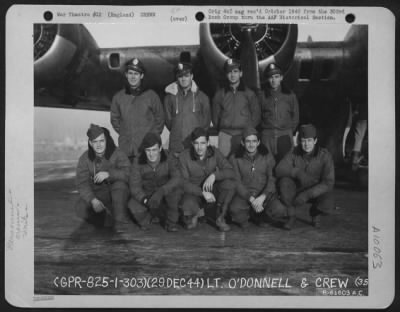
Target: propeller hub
(267, 38)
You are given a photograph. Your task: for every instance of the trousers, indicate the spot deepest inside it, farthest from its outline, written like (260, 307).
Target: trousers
(288, 189)
(168, 208)
(114, 197)
(278, 142)
(241, 210)
(223, 192)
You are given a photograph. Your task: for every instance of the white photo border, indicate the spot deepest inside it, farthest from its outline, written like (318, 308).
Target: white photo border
(19, 193)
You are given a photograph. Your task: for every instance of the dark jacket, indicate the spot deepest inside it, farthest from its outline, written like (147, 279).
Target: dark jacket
(184, 113)
(318, 167)
(254, 175)
(279, 109)
(117, 166)
(234, 111)
(145, 179)
(195, 171)
(132, 116)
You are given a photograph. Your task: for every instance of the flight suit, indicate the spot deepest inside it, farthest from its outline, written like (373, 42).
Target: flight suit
(134, 115)
(145, 180)
(183, 113)
(195, 171)
(233, 111)
(280, 117)
(254, 176)
(307, 178)
(113, 192)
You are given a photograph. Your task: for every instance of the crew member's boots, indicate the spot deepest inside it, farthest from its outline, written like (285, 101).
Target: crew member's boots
(171, 227)
(288, 225)
(220, 221)
(201, 216)
(120, 210)
(221, 224)
(315, 217)
(191, 222)
(108, 219)
(316, 221)
(144, 224)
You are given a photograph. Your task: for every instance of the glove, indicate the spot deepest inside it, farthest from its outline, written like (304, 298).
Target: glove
(304, 178)
(301, 199)
(155, 199)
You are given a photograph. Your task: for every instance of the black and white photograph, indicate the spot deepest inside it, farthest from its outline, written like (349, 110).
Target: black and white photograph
(200, 159)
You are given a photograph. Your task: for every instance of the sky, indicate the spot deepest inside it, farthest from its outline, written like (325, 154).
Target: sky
(74, 123)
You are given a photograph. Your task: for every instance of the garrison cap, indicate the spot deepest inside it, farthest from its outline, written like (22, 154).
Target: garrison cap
(199, 132)
(249, 131)
(307, 131)
(136, 65)
(151, 139)
(182, 68)
(272, 69)
(94, 131)
(231, 64)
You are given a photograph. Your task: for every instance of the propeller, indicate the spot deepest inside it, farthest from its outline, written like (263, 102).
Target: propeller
(267, 38)
(249, 59)
(256, 45)
(43, 36)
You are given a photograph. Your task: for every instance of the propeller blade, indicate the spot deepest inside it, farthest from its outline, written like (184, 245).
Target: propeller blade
(249, 61)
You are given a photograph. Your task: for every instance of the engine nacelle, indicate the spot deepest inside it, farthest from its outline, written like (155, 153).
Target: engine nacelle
(60, 51)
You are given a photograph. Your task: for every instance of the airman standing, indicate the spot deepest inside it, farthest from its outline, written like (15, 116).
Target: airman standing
(280, 114)
(135, 110)
(186, 108)
(235, 107)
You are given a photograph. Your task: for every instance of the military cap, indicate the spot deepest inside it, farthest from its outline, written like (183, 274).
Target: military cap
(182, 68)
(231, 64)
(136, 65)
(307, 131)
(94, 131)
(199, 132)
(151, 139)
(272, 69)
(249, 131)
